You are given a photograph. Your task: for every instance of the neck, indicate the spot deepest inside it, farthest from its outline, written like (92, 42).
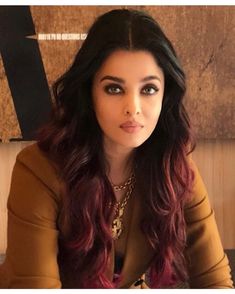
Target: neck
(120, 163)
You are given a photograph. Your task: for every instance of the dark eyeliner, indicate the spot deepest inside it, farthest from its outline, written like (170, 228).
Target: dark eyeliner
(107, 87)
(151, 86)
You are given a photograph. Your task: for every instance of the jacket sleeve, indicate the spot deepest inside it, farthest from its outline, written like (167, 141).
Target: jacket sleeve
(208, 265)
(31, 256)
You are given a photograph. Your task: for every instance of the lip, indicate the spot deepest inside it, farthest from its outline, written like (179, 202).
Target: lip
(131, 127)
(132, 124)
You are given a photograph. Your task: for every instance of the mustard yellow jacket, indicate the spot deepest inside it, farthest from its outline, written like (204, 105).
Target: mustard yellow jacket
(32, 237)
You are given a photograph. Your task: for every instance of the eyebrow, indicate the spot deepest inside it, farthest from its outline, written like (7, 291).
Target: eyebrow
(119, 80)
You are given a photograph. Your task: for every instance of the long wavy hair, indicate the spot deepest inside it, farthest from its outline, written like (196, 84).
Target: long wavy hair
(72, 138)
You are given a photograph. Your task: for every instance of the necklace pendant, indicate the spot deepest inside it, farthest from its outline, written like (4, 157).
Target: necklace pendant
(120, 213)
(116, 228)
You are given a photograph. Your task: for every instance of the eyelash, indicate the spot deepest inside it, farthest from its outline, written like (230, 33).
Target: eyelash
(114, 86)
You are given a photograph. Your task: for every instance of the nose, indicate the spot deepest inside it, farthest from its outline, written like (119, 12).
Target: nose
(132, 105)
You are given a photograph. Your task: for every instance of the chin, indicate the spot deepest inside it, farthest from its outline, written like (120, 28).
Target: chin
(132, 144)
(129, 143)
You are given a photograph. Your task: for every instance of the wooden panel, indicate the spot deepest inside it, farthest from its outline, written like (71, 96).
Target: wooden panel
(9, 127)
(215, 160)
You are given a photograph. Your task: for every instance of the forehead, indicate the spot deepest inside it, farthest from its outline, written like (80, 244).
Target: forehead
(130, 64)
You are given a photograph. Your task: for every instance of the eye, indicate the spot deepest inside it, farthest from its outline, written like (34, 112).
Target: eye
(150, 90)
(112, 89)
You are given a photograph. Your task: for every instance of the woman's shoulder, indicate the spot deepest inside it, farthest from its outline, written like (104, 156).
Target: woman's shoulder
(32, 153)
(40, 165)
(198, 187)
(198, 203)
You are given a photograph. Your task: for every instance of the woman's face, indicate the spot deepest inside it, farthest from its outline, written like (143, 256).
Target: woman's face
(127, 96)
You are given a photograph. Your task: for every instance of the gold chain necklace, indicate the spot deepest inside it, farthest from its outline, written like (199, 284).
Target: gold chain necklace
(125, 185)
(117, 224)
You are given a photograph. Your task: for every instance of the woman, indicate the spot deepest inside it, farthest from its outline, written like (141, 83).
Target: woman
(109, 196)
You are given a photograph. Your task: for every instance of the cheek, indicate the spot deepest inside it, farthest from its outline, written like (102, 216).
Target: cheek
(105, 113)
(154, 112)
(101, 110)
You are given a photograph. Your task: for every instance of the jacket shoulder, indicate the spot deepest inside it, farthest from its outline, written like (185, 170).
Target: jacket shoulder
(39, 164)
(198, 189)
